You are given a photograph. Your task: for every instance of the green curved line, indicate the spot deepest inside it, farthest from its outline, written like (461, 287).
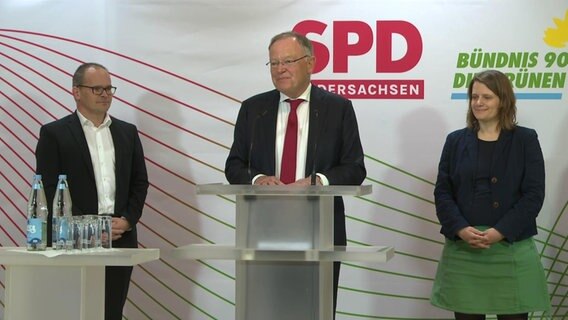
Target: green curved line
(556, 259)
(549, 231)
(556, 222)
(402, 275)
(226, 198)
(545, 243)
(393, 230)
(199, 284)
(216, 270)
(397, 252)
(399, 170)
(196, 209)
(153, 299)
(397, 210)
(399, 190)
(383, 294)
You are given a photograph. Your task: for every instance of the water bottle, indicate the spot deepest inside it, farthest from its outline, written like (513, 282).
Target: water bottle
(61, 216)
(37, 217)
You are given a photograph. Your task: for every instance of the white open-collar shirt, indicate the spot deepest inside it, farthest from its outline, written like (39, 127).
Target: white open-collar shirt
(101, 149)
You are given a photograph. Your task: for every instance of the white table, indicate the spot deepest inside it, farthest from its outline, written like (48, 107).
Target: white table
(66, 286)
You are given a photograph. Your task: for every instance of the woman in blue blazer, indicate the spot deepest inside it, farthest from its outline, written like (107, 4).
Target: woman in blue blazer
(489, 191)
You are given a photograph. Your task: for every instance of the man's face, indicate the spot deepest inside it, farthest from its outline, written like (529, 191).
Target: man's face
(91, 104)
(290, 78)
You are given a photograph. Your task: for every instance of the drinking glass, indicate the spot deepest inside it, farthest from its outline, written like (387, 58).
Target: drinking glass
(105, 226)
(91, 232)
(77, 233)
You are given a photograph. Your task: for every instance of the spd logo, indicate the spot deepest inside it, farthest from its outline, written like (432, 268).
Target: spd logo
(337, 57)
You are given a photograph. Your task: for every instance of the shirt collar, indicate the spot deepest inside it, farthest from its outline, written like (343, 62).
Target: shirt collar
(305, 95)
(86, 122)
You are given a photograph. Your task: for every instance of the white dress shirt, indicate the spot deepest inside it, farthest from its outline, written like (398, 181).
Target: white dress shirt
(303, 113)
(101, 148)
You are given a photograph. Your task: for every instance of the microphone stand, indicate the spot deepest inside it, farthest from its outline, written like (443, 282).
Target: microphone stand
(253, 135)
(316, 129)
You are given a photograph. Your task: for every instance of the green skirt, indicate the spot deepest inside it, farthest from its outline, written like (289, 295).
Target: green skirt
(504, 279)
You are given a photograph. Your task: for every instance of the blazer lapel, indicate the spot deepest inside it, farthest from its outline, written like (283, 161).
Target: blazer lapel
(120, 165)
(79, 136)
(471, 145)
(114, 132)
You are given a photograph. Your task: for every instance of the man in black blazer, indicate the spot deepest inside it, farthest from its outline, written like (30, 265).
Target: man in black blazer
(104, 163)
(329, 146)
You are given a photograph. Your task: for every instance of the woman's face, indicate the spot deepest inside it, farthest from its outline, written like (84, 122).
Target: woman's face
(485, 104)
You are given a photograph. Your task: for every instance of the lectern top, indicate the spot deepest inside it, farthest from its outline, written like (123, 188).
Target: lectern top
(247, 189)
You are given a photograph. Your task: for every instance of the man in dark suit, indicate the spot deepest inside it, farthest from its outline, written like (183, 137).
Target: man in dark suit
(328, 144)
(104, 162)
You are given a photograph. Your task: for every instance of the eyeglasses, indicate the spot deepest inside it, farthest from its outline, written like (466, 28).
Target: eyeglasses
(110, 90)
(285, 63)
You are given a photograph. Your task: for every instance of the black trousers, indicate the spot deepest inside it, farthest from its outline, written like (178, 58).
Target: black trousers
(336, 266)
(117, 281)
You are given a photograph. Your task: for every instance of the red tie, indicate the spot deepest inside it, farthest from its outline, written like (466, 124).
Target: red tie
(288, 172)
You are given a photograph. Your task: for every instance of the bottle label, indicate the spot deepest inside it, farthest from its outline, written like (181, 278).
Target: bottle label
(35, 229)
(63, 230)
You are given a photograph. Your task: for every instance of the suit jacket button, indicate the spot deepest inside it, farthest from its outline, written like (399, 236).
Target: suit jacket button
(496, 204)
(494, 180)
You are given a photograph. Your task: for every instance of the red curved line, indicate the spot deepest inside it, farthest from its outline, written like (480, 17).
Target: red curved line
(142, 133)
(43, 47)
(11, 201)
(156, 233)
(17, 121)
(18, 138)
(170, 171)
(188, 230)
(171, 123)
(125, 57)
(124, 79)
(10, 165)
(145, 291)
(173, 99)
(184, 299)
(25, 95)
(179, 152)
(6, 231)
(147, 159)
(154, 139)
(113, 74)
(39, 74)
(122, 100)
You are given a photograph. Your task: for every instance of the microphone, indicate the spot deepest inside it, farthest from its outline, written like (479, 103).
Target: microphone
(258, 116)
(316, 130)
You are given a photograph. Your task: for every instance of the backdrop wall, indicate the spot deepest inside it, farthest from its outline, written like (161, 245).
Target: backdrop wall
(183, 67)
